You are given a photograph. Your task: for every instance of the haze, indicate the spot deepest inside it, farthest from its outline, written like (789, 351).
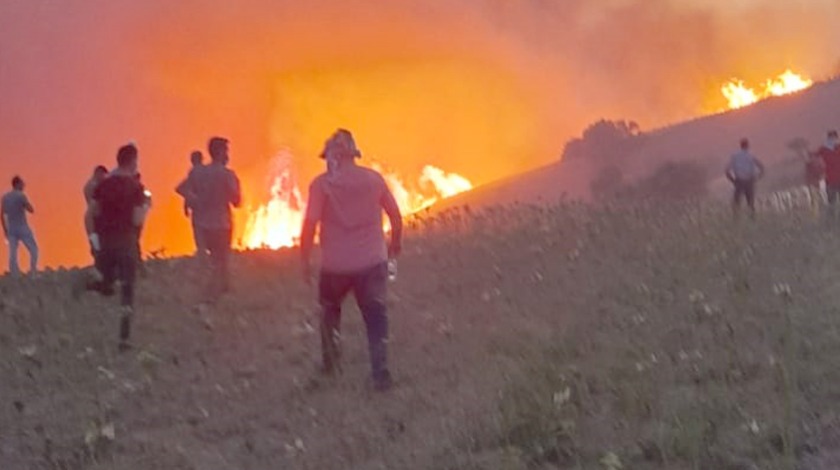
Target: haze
(483, 88)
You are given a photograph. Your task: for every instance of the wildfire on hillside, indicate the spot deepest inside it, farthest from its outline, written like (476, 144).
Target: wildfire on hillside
(739, 95)
(276, 224)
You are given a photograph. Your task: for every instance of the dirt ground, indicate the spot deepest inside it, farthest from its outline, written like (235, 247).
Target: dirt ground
(641, 337)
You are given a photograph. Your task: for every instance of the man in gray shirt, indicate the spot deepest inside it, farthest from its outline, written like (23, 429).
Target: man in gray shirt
(743, 171)
(212, 190)
(15, 205)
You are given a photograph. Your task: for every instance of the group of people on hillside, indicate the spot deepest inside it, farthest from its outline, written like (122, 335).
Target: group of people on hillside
(821, 166)
(345, 209)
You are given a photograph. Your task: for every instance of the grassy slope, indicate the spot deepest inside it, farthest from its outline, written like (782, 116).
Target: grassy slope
(521, 338)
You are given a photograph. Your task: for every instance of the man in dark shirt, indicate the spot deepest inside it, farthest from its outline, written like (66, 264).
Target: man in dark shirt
(117, 212)
(213, 190)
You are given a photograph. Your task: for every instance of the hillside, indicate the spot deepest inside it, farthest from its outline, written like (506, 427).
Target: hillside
(551, 337)
(770, 125)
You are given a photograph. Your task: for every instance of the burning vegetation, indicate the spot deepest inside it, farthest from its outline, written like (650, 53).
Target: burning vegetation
(738, 94)
(276, 224)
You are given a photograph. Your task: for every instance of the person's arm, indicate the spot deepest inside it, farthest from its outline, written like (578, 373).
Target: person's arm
(314, 210)
(28, 206)
(140, 206)
(184, 188)
(234, 190)
(91, 213)
(393, 210)
(760, 167)
(5, 222)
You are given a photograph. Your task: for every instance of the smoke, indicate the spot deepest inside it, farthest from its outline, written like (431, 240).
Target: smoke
(484, 88)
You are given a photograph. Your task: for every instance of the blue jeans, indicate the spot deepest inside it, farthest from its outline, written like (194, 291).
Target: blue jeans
(22, 235)
(369, 286)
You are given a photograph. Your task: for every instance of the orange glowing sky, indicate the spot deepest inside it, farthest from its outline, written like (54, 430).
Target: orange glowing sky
(484, 88)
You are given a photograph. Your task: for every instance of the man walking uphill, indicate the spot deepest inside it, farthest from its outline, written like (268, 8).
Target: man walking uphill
(347, 202)
(117, 213)
(13, 211)
(743, 171)
(212, 190)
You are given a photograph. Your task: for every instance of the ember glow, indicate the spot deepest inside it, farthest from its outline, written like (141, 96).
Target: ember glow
(276, 224)
(738, 94)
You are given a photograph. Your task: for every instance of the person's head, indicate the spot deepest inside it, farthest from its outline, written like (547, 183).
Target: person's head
(341, 146)
(745, 144)
(17, 183)
(196, 158)
(218, 149)
(832, 137)
(127, 157)
(100, 172)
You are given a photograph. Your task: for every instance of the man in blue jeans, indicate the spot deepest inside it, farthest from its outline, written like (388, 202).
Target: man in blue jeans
(15, 205)
(347, 202)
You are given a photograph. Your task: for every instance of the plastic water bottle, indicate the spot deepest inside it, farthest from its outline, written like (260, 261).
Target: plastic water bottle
(392, 269)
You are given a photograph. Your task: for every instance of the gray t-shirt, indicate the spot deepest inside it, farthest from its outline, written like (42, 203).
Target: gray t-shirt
(216, 189)
(14, 209)
(744, 166)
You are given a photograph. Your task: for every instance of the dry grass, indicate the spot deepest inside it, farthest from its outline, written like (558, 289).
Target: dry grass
(641, 337)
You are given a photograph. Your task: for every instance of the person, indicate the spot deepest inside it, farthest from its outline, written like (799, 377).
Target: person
(197, 161)
(99, 174)
(117, 213)
(212, 190)
(16, 229)
(347, 202)
(830, 155)
(814, 175)
(743, 171)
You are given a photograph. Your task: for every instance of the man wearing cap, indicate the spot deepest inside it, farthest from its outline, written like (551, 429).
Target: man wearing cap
(347, 203)
(743, 171)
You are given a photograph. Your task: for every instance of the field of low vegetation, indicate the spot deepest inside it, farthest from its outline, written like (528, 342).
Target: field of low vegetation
(639, 336)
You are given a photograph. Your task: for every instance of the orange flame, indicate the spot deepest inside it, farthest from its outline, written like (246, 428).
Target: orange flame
(277, 223)
(739, 95)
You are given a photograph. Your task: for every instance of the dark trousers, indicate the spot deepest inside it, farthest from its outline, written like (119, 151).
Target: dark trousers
(744, 189)
(217, 242)
(198, 237)
(117, 261)
(369, 286)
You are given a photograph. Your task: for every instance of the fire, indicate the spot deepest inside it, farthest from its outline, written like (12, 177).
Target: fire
(277, 223)
(739, 95)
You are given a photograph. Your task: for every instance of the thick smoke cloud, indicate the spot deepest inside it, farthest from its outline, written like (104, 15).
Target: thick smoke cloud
(484, 88)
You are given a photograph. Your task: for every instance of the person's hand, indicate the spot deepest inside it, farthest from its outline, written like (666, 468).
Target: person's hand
(94, 241)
